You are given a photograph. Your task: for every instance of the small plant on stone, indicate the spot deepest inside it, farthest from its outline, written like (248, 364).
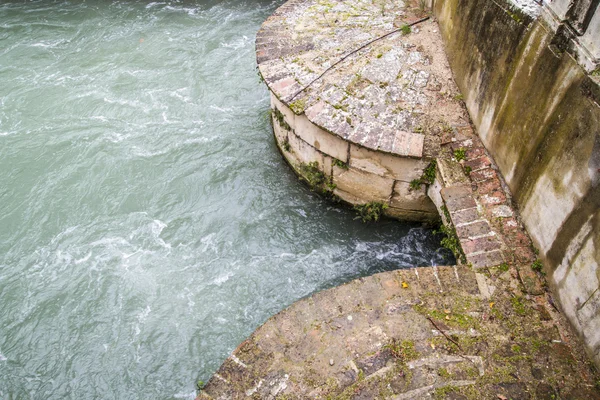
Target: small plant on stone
(415, 184)
(537, 266)
(286, 145)
(281, 119)
(371, 211)
(403, 351)
(312, 174)
(298, 106)
(459, 97)
(340, 164)
(199, 385)
(460, 154)
(468, 170)
(405, 29)
(443, 372)
(429, 173)
(503, 267)
(451, 242)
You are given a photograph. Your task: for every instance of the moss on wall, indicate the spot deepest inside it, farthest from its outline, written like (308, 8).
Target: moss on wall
(537, 113)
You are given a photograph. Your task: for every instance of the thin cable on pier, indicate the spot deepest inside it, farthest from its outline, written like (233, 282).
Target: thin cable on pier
(355, 51)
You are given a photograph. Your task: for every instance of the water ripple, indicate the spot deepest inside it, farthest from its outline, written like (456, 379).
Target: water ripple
(147, 222)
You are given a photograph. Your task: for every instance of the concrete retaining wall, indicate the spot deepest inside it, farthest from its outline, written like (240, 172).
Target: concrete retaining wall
(536, 110)
(356, 175)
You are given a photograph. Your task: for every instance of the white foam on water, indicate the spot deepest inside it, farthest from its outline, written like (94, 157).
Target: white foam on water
(222, 279)
(362, 247)
(237, 43)
(84, 259)
(189, 11)
(180, 395)
(155, 3)
(224, 110)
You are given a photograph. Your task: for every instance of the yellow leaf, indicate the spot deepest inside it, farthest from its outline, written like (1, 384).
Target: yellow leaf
(447, 311)
(491, 304)
(404, 285)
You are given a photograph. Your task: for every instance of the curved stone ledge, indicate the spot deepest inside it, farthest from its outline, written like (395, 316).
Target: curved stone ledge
(353, 173)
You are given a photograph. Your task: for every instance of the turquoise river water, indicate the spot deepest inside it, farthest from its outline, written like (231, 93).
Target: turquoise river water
(148, 223)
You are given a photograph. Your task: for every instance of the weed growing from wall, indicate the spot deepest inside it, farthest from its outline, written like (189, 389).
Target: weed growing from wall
(312, 174)
(286, 145)
(537, 266)
(460, 154)
(340, 164)
(415, 184)
(371, 211)
(281, 119)
(428, 176)
(450, 240)
(298, 106)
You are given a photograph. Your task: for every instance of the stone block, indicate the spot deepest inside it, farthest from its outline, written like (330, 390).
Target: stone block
(486, 259)
(348, 197)
(285, 87)
(451, 173)
(304, 152)
(475, 152)
(362, 185)
(320, 139)
(531, 282)
(408, 144)
(518, 238)
(473, 229)
(465, 216)
(478, 163)
(494, 198)
(386, 165)
(327, 165)
(483, 175)
(487, 243)
(489, 186)
(415, 200)
(458, 198)
(412, 215)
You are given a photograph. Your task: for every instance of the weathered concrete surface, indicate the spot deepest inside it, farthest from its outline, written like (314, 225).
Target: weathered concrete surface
(537, 113)
(444, 333)
(378, 113)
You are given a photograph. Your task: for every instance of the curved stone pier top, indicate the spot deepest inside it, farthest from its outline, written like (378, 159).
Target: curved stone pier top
(395, 95)
(425, 333)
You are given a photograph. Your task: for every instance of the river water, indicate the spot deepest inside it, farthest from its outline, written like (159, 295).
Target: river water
(147, 222)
